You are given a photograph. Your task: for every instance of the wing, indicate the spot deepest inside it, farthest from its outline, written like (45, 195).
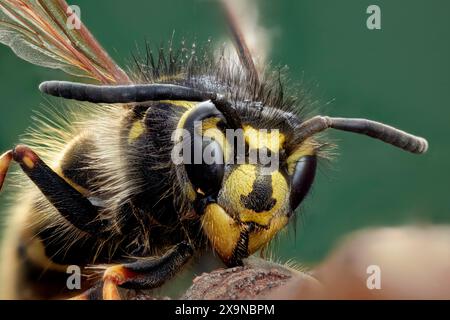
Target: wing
(37, 31)
(251, 40)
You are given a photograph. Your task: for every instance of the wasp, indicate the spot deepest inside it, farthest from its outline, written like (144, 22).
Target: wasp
(101, 190)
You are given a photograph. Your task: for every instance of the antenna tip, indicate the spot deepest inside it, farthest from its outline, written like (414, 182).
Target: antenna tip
(46, 86)
(42, 87)
(424, 146)
(50, 87)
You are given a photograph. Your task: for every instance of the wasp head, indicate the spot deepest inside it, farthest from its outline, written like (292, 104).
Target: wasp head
(247, 180)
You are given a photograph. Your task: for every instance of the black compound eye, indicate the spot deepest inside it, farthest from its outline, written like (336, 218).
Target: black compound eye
(206, 173)
(302, 179)
(205, 169)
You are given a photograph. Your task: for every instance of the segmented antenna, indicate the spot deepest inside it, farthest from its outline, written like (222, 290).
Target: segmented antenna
(377, 130)
(122, 93)
(138, 93)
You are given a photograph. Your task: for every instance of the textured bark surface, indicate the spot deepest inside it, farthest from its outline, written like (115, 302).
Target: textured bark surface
(414, 263)
(236, 283)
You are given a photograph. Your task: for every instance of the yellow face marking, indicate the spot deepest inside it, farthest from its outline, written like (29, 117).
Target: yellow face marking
(137, 129)
(257, 139)
(307, 148)
(279, 193)
(240, 183)
(260, 238)
(222, 231)
(28, 162)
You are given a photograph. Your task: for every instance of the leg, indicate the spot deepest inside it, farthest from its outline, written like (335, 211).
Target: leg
(71, 204)
(5, 161)
(140, 275)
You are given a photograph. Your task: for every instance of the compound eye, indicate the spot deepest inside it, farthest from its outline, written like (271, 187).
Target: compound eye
(302, 179)
(206, 172)
(205, 169)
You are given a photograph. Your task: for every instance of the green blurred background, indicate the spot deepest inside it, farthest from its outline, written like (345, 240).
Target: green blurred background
(399, 75)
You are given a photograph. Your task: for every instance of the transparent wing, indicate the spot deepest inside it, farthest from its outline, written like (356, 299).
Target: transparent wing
(251, 39)
(38, 31)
